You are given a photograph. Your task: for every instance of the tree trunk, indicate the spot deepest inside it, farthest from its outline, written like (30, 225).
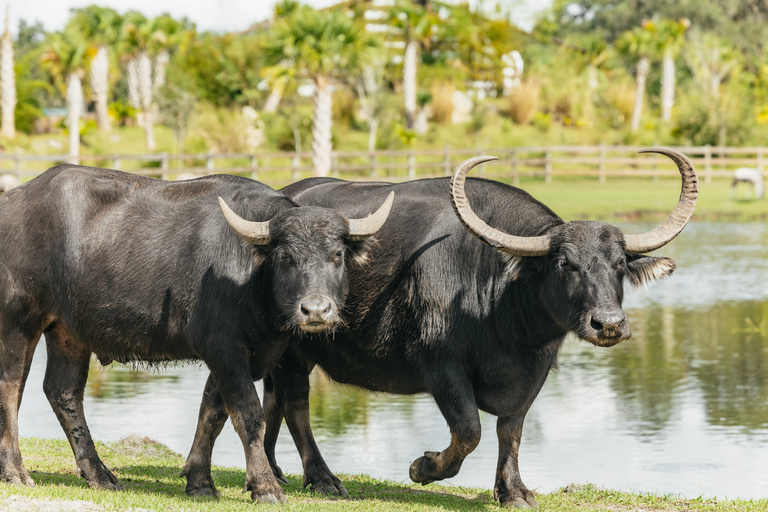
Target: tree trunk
(409, 81)
(161, 63)
(144, 76)
(642, 73)
(667, 85)
(133, 83)
(275, 95)
(74, 110)
(100, 86)
(321, 127)
(7, 86)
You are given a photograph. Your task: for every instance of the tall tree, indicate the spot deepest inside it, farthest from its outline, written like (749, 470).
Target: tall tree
(7, 84)
(321, 45)
(100, 26)
(639, 44)
(416, 24)
(137, 37)
(65, 58)
(670, 41)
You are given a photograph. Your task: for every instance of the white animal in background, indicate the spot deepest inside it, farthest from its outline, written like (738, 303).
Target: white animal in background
(749, 175)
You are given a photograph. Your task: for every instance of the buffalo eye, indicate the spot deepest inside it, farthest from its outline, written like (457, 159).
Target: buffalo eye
(338, 256)
(284, 258)
(621, 264)
(565, 266)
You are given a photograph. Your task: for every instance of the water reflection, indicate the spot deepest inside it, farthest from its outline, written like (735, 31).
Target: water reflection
(680, 408)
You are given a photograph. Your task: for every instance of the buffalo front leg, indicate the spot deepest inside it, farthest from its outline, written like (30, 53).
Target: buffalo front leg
(235, 384)
(16, 351)
(456, 401)
(510, 490)
(210, 421)
(274, 420)
(65, 376)
(291, 394)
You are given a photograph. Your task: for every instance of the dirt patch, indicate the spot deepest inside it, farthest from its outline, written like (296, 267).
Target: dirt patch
(22, 504)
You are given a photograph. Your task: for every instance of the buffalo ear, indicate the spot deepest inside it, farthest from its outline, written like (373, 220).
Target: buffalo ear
(359, 250)
(642, 270)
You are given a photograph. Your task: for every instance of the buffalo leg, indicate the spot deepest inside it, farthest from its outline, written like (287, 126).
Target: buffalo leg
(509, 489)
(65, 376)
(210, 421)
(274, 420)
(235, 383)
(15, 359)
(456, 401)
(291, 390)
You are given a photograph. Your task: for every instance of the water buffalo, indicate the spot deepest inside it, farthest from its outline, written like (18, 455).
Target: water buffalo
(476, 325)
(136, 269)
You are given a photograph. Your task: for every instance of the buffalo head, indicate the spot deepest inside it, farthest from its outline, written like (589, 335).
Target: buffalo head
(578, 268)
(309, 247)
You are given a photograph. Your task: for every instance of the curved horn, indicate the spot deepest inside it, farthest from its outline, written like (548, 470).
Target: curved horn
(256, 233)
(360, 229)
(674, 224)
(515, 245)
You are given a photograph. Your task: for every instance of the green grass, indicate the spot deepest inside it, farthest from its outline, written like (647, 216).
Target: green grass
(150, 471)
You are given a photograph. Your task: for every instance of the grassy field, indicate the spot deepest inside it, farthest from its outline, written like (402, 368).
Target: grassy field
(150, 471)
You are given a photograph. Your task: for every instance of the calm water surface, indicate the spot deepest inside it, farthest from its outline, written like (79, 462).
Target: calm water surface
(681, 408)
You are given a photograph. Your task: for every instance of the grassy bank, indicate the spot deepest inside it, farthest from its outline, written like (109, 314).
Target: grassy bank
(150, 471)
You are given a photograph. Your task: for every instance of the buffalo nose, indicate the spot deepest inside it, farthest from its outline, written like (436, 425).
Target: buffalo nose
(608, 321)
(316, 309)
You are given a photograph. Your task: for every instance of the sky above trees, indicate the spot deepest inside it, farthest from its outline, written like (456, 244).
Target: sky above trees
(219, 15)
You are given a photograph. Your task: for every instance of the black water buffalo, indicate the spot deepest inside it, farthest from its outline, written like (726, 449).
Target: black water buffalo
(136, 269)
(476, 325)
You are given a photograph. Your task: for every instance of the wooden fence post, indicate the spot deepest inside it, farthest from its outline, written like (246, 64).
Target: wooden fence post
(209, 165)
(447, 160)
(254, 163)
(411, 165)
(295, 163)
(760, 159)
(601, 165)
(515, 170)
(335, 165)
(548, 166)
(707, 164)
(164, 165)
(116, 163)
(372, 163)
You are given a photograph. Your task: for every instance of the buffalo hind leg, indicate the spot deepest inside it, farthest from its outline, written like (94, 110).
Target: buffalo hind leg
(456, 401)
(16, 351)
(510, 490)
(210, 421)
(274, 420)
(291, 395)
(65, 376)
(235, 383)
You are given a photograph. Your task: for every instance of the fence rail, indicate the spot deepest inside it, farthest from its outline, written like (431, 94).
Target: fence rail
(542, 162)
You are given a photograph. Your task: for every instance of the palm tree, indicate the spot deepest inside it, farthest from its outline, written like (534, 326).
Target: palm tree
(640, 44)
(415, 23)
(7, 84)
(100, 26)
(65, 59)
(137, 41)
(320, 45)
(670, 40)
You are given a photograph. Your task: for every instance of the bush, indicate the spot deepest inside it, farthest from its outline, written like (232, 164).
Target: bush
(442, 102)
(524, 102)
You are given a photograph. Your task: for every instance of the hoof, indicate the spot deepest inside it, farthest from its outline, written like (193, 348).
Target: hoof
(330, 488)
(423, 470)
(20, 477)
(272, 499)
(519, 502)
(279, 476)
(203, 491)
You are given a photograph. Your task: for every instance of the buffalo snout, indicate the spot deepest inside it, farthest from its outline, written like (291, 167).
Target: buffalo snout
(606, 327)
(316, 313)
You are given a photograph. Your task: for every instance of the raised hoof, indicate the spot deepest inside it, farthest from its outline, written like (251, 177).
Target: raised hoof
(424, 469)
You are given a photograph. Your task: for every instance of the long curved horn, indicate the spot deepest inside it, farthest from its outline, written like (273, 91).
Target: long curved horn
(515, 245)
(256, 233)
(674, 224)
(360, 229)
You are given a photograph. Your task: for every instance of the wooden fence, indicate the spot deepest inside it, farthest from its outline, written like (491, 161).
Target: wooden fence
(544, 162)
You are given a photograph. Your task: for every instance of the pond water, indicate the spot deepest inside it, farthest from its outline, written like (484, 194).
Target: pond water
(680, 408)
